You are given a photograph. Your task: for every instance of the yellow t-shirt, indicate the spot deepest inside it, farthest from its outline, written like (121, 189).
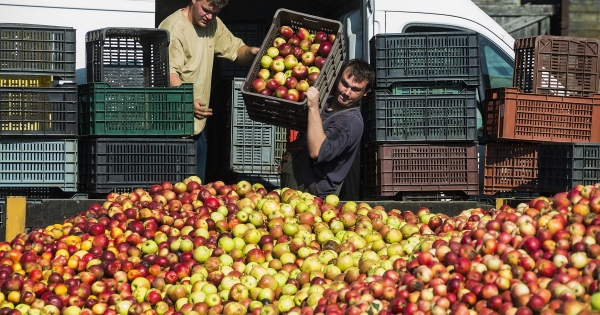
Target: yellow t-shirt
(192, 50)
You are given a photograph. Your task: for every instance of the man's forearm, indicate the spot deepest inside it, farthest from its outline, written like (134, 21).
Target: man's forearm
(245, 55)
(174, 80)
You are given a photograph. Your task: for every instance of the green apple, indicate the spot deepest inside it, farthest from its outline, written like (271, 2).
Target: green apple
(122, 307)
(238, 230)
(265, 61)
(71, 310)
(140, 282)
(248, 281)
(332, 200)
(201, 253)
(239, 242)
(227, 243)
(209, 289)
(595, 301)
(272, 52)
(197, 297)
(174, 246)
(213, 299)
(254, 305)
(286, 302)
(186, 245)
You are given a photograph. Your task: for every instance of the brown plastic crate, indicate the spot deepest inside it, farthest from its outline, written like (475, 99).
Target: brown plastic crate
(510, 167)
(390, 169)
(284, 113)
(556, 65)
(514, 115)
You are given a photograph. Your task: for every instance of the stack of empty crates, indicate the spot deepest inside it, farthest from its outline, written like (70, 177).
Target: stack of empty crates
(240, 148)
(38, 113)
(421, 118)
(132, 124)
(543, 134)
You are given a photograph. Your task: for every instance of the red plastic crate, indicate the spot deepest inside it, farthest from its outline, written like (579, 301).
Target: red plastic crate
(390, 169)
(514, 115)
(557, 65)
(510, 168)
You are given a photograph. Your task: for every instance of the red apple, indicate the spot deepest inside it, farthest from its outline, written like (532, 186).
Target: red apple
(259, 84)
(325, 49)
(281, 91)
(286, 32)
(308, 58)
(300, 72)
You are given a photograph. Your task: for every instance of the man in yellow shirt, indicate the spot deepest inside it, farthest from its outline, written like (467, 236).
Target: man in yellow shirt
(197, 35)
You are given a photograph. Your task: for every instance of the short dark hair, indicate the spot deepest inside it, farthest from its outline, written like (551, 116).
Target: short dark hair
(217, 4)
(361, 71)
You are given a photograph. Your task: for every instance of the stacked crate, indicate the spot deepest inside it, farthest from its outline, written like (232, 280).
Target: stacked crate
(38, 112)
(421, 118)
(240, 148)
(542, 134)
(133, 126)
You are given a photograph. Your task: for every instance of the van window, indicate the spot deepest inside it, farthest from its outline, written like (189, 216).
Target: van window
(496, 66)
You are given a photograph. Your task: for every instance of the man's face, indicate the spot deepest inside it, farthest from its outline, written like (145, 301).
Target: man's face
(349, 92)
(204, 12)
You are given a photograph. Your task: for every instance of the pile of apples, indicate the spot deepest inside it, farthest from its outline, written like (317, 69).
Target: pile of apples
(191, 249)
(293, 63)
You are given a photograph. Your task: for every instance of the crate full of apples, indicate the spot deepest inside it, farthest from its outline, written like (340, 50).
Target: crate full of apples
(299, 51)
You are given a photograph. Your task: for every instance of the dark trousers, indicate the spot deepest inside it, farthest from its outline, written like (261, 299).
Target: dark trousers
(201, 149)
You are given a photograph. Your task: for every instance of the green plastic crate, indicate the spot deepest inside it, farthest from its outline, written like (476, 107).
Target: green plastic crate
(136, 111)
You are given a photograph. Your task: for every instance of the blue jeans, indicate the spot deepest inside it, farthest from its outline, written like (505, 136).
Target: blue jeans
(201, 156)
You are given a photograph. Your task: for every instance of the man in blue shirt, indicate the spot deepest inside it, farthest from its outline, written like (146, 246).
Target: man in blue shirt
(319, 160)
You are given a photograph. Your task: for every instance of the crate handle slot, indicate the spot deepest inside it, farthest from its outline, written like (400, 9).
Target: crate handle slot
(309, 20)
(272, 101)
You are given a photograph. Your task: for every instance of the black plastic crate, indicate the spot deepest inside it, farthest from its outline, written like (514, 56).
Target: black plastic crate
(115, 164)
(562, 166)
(284, 113)
(430, 56)
(38, 111)
(239, 144)
(3, 216)
(252, 32)
(36, 194)
(38, 49)
(132, 57)
(420, 117)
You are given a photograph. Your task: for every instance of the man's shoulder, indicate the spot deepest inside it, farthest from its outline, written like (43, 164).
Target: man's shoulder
(172, 20)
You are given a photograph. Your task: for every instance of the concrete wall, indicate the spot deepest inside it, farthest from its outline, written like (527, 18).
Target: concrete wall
(82, 15)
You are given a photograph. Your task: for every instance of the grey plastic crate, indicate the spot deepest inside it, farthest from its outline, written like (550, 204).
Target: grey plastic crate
(243, 145)
(38, 163)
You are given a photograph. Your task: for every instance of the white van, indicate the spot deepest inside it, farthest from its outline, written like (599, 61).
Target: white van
(410, 16)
